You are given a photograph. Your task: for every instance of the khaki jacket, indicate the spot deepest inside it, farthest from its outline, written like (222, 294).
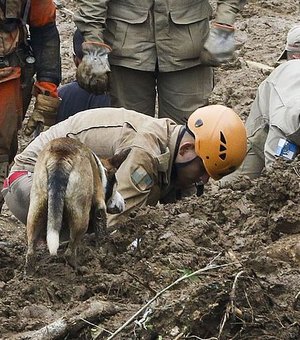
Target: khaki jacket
(145, 176)
(277, 102)
(148, 33)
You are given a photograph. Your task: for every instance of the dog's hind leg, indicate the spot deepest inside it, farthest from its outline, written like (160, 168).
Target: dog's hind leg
(78, 220)
(99, 216)
(36, 221)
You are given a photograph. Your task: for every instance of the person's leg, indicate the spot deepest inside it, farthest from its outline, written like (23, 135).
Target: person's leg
(133, 89)
(182, 92)
(17, 196)
(10, 119)
(4, 164)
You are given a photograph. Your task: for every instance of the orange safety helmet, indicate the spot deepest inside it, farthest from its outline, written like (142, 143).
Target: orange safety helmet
(220, 139)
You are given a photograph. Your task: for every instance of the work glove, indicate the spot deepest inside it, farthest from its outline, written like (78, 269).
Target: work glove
(219, 46)
(44, 112)
(92, 72)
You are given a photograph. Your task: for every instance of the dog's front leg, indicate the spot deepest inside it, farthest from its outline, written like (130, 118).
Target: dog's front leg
(30, 260)
(99, 220)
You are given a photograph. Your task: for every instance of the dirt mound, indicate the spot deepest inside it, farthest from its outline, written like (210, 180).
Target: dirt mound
(243, 240)
(224, 265)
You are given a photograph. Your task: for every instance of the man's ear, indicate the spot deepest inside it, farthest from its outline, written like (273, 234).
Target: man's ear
(185, 147)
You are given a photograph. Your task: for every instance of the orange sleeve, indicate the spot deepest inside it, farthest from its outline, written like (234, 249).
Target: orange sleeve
(42, 12)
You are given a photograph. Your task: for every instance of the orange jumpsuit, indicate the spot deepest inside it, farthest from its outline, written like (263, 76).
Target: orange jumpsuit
(20, 59)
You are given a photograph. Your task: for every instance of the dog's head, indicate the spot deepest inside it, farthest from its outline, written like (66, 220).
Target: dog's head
(114, 201)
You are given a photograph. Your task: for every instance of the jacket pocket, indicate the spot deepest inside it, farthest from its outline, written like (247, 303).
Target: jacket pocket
(127, 13)
(189, 28)
(191, 12)
(127, 26)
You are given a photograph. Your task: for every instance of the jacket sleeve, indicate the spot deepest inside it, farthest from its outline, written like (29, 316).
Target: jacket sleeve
(227, 11)
(137, 183)
(90, 18)
(44, 39)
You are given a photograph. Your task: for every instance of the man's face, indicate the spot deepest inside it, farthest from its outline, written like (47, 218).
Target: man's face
(192, 172)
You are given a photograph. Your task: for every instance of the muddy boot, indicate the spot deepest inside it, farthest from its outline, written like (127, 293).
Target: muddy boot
(3, 175)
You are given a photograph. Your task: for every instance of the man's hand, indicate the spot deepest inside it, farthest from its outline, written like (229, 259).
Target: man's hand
(92, 72)
(219, 46)
(43, 114)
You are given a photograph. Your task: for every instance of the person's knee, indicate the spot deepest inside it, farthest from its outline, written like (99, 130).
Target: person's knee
(17, 196)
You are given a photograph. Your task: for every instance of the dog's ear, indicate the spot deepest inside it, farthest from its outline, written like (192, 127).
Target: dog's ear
(119, 158)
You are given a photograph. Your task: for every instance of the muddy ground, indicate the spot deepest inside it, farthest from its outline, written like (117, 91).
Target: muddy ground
(242, 241)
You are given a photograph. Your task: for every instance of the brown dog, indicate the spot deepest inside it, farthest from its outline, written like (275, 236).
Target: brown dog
(70, 187)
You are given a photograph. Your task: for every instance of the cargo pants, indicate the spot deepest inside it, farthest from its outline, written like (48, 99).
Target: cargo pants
(179, 93)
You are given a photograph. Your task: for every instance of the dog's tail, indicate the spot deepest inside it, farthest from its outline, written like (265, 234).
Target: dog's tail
(58, 178)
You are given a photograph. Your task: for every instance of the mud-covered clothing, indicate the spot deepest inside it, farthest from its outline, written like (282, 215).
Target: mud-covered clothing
(275, 114)
(21, 58)
(76, 99)
(143, 178)
(155, 43)
(44, 43)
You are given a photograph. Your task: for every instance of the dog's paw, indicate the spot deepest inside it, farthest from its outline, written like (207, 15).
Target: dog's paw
(29, 269)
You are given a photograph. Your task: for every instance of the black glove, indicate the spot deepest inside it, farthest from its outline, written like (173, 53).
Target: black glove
(92, 72)
(219, 46)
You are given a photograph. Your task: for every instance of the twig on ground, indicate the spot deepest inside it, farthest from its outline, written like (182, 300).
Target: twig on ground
(297, 172)
(198, 338)
(180, 335)
(252, 314)
(96, 326)
(232, 293)
(210, 266)
(230, 308)
(257, 65)
(73, 321)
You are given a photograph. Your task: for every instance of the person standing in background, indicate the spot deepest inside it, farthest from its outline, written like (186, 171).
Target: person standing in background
(163, 48)
(73, 97)
(24, 54)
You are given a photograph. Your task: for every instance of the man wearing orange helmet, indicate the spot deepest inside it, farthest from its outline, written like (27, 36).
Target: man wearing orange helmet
(165, 158)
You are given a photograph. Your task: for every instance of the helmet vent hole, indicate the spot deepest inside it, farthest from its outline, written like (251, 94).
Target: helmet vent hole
(198, 123)
(222, 156)
(222, 138)
(222, 148)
